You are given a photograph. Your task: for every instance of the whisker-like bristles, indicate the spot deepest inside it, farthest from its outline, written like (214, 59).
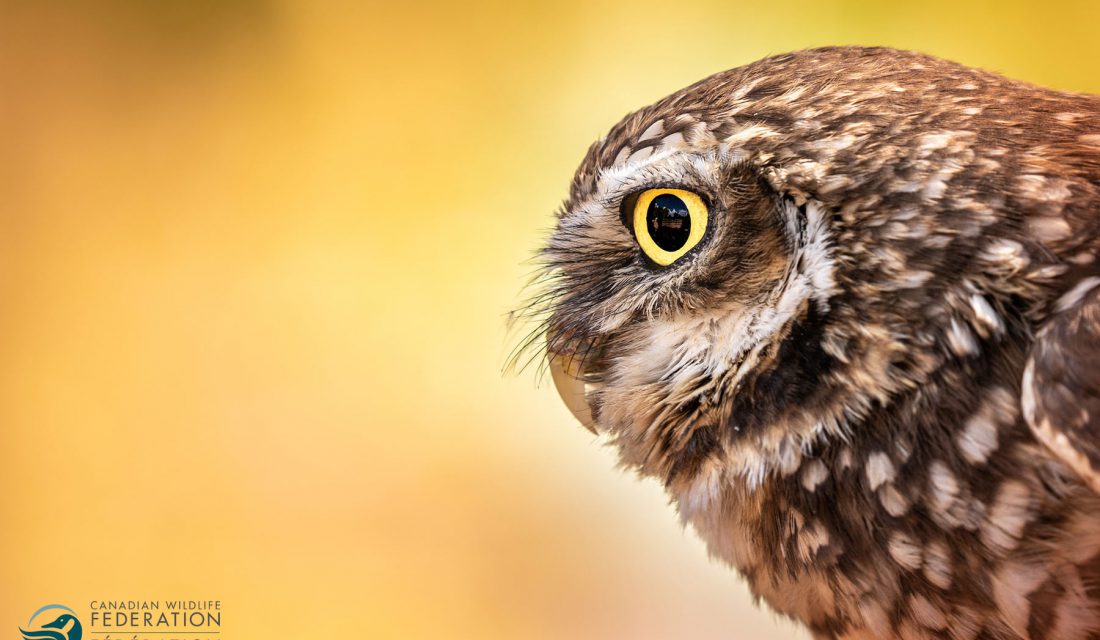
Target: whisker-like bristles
(528, 353)
(583, 365)
(524, 347)
(535, 311)
(515, 362)
(575, 272)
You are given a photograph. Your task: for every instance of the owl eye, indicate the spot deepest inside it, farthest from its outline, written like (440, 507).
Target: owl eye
(668, 223)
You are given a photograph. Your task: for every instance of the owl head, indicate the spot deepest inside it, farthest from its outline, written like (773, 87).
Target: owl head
(744, 269)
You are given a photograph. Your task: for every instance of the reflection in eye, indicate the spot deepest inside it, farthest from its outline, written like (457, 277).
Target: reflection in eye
(669, 221)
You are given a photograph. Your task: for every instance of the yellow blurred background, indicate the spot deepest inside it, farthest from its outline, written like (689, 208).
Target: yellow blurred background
(255, 259)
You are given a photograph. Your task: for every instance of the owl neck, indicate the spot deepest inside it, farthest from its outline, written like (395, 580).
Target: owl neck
(916, 489)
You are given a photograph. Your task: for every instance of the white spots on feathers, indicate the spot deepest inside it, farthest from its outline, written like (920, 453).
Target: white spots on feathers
(746, 134)
(1013, 582)
(1050, 194)
(937, 182)
(687, 133)
(905, 551)
(640, 155)
(1069, 117)
(914, 279)
(935, 141)
(1027, 395)
(903, 448)
(949, 500)
(621, 156)
(1090, 139)
(744, 89)
(961, 339)
(880, 469)
(813, 474)
(943, 490)
(1049, 228)
(893, 501)
(988, 321)
(674, 140)
(652, 131)
(793, 94)
(1049, 272)
(1011, 511)
(937, 564)
(834, 182)
(978, 437)
(836, 143)
(811, 538)
(790, 457)
(1007, 254)
(1070, 298)
(1084, 257)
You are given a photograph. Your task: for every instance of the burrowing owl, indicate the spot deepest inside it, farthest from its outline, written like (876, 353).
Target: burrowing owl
(843, 303)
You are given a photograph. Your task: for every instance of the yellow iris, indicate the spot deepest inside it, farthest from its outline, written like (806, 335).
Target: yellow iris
(668, 223)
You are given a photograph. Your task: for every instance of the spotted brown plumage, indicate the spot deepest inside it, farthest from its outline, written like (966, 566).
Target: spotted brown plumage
(1061, 384)
(870, 387)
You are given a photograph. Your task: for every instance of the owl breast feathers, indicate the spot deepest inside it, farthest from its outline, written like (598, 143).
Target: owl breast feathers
(844, 303)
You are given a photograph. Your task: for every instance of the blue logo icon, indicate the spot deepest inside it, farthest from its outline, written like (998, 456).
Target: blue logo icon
(59, 629)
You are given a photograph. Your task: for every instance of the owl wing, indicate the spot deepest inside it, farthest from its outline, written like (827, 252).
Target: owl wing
(1060, 393)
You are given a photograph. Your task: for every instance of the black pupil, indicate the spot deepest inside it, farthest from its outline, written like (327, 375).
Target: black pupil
(669, 221)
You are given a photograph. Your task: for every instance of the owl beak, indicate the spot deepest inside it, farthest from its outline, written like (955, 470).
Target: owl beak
(565, 370)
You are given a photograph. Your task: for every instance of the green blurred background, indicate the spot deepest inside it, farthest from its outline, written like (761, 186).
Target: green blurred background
(255, 259)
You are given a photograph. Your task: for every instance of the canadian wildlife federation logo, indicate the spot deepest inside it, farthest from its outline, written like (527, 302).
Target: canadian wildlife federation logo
(54, 622)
